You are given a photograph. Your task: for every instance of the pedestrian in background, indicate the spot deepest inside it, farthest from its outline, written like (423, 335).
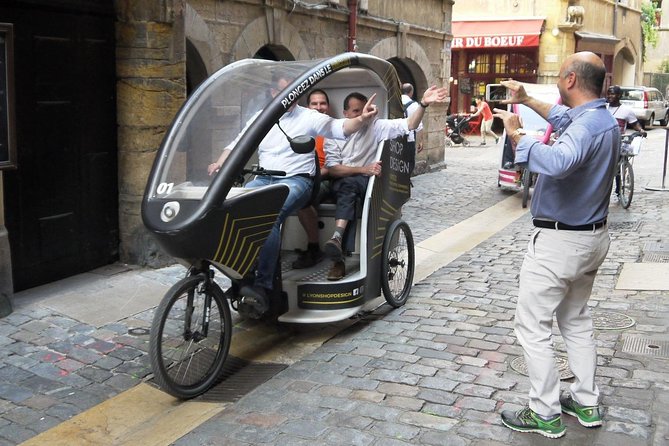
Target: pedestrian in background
(410, 105)
(483, 109)
(569, 243)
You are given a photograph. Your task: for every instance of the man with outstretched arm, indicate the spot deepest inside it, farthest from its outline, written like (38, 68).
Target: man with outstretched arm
(355, 161)
(569, 243)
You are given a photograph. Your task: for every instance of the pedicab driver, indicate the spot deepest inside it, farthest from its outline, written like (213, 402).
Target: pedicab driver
(275, 153)
(569, 243)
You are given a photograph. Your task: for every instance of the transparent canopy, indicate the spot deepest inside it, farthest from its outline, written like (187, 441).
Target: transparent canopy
(217, 114)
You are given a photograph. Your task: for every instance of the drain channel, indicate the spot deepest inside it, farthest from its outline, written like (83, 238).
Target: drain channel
(239, 378)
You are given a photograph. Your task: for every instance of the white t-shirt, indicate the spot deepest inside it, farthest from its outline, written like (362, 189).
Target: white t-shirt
(624, 115)
(274, 152)
(412, 108)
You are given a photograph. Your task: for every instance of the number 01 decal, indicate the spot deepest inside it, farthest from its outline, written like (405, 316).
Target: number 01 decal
(164, 188)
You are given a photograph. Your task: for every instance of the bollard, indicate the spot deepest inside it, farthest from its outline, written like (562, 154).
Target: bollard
(664, 164)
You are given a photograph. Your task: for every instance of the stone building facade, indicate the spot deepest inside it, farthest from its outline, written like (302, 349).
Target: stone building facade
(159, 51)
(534, 37)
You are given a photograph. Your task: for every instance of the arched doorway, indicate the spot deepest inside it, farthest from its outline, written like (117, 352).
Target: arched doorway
(273, 52)
(196, 71)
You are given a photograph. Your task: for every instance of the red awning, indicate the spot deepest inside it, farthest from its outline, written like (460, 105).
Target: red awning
(496, 33)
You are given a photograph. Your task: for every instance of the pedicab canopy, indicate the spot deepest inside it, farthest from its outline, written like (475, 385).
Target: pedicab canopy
(193, 213)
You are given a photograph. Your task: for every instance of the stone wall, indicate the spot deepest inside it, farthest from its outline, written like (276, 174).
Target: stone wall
(150, 65)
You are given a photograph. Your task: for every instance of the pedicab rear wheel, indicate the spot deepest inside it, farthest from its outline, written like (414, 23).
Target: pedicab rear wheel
(398, 265)
(190, 337)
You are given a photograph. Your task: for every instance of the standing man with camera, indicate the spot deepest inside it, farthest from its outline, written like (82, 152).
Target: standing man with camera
(569, 242)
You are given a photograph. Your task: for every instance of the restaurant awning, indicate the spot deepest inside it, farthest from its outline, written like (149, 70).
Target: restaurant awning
(496, 33)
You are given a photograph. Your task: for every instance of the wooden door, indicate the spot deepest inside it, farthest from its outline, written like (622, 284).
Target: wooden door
(61, 204)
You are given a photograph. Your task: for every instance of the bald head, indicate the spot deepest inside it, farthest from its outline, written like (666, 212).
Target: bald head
(588, 71)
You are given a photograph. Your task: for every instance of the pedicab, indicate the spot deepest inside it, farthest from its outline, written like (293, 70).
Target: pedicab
(509, 175)
(213, 224)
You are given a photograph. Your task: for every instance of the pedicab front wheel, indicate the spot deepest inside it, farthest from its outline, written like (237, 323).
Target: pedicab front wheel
(398, 263)
(190, 337)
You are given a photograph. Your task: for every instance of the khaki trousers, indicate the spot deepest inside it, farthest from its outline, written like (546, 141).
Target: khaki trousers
(486, 129)
(556, 278)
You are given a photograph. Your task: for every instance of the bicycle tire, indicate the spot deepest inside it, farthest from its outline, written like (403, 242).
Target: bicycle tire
(626, 191)
(526, 182)
(186, 362)
(398, 265)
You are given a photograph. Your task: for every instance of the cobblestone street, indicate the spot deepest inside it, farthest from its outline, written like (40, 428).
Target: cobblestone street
(434, 372)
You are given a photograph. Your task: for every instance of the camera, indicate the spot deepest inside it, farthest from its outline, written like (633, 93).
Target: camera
(496, 92)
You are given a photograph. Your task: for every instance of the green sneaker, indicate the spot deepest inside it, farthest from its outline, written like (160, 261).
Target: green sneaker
(588, 416)
(526, 420)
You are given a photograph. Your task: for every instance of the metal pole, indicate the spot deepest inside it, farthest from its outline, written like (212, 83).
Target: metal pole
(664, 165)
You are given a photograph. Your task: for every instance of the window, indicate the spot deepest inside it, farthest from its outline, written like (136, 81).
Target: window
(479, 64)
(502, 64)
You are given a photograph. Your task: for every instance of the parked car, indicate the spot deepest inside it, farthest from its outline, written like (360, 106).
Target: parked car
(648, 104)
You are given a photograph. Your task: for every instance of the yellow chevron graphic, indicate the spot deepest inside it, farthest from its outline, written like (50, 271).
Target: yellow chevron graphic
(236, 249)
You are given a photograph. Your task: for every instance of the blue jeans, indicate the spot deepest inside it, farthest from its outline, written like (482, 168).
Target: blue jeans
(298, 196)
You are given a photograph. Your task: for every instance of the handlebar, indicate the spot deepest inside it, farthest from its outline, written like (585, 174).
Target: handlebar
(264, 172)
(256, 170)
(627, 139)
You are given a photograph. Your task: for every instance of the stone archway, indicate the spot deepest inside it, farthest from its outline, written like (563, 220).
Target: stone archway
(624, 66)
(202, 39)
(273, 30)
(412, 57)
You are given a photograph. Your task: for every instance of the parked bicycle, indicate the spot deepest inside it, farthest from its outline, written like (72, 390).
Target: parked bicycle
(630, 147)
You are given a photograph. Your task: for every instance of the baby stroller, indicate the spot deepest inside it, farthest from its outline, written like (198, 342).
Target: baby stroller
(455, 126)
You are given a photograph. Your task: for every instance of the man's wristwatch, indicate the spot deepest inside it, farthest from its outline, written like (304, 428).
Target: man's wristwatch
(518, 133)
(423, 105)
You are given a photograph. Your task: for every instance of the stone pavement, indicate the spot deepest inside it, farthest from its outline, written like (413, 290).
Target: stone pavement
(436, 371)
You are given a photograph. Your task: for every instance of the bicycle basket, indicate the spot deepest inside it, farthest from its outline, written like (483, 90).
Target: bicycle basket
(631, 147)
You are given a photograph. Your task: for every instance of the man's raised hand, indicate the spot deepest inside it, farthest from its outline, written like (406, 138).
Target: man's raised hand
(434, 94)
(370, 110)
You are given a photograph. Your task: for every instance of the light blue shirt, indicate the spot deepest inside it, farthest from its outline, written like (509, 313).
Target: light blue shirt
(575, 173)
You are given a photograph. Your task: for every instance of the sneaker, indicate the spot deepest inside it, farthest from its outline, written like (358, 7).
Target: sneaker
(483, 143)
(526, 420)
(254, 302)
(337, 271)
(588, 416)
(333, 248)
(308, 258)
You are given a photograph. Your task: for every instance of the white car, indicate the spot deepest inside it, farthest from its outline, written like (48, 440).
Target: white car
(648, 104)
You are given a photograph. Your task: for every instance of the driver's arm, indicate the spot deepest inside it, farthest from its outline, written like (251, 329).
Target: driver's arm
(213, 167)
